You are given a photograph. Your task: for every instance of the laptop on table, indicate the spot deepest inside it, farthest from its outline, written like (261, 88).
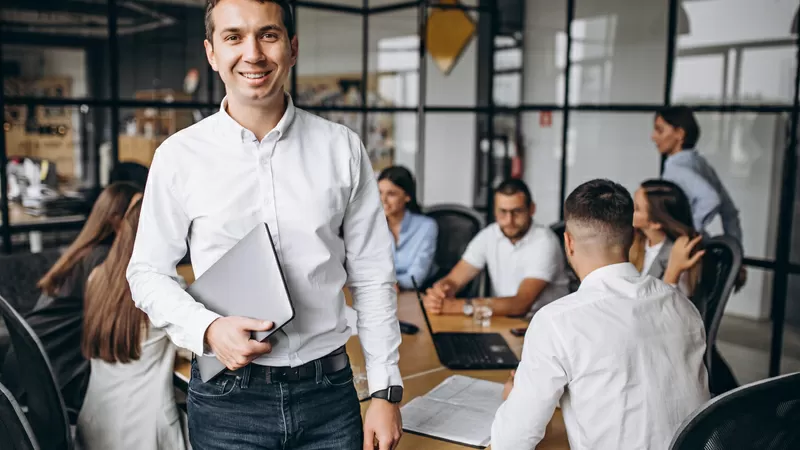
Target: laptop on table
(469, 351)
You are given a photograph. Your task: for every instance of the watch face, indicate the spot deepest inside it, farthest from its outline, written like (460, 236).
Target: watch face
(468, 308)
(395, 394)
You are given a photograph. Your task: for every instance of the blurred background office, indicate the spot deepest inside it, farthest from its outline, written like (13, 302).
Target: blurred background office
(552, 92)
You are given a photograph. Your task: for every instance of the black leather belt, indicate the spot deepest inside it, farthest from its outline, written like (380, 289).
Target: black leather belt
(332, 362)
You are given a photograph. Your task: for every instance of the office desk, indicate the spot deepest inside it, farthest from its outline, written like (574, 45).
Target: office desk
(19, 218)
(422, 370)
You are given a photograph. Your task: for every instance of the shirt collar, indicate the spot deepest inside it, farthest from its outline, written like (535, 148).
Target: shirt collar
(524, 239)
(683, 155)
(232, 128)
(597, 277)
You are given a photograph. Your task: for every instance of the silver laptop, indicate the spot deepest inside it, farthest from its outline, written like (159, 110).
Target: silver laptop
(247, 281)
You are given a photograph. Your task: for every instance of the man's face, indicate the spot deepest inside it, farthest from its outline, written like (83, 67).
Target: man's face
(251, 50)
(513, 214)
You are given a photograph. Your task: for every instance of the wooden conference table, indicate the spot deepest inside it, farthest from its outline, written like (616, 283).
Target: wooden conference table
(422, 370)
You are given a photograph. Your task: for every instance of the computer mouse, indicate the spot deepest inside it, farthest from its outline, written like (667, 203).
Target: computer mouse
(408, 328)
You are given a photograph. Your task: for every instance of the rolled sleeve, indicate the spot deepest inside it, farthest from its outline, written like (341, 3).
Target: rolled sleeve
(370, 275)
(160, 245)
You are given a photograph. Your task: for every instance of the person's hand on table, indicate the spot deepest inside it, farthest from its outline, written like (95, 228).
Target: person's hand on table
(229, 338)
(509, 385)
(433, 305)
(383, 425)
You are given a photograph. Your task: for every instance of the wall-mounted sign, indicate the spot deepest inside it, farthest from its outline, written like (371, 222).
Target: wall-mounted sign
(448, 34)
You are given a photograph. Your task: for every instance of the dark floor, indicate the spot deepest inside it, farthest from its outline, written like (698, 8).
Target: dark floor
(745, 345)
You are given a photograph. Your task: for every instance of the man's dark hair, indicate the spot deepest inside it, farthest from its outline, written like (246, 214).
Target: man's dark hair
(682, 117)
(604, 209)
(288, 18)
(513, 186)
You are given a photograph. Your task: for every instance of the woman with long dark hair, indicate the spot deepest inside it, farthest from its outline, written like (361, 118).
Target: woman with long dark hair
(414, 234)
(130, 402)
(662, 215)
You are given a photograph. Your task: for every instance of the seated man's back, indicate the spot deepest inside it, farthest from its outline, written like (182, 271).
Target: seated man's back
(622, 356)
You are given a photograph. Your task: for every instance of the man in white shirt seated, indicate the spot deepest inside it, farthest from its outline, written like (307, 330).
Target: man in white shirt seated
(622, 356)
(525, 261)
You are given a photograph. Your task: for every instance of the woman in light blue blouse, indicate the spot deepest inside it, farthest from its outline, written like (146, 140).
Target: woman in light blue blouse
(414, 234)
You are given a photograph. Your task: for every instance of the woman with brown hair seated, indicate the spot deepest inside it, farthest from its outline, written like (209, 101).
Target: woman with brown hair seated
(665, 246)
(661, 216)
(56, 317)
(130, 402)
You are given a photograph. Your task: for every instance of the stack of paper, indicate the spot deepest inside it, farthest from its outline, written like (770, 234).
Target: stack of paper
(460, 409)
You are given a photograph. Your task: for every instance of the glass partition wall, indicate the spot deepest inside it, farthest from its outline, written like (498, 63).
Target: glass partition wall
(462, 92)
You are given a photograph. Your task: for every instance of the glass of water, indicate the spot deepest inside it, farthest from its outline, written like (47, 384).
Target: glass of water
(482, 312)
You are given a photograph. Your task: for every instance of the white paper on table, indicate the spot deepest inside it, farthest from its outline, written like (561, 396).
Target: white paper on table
(460, 409)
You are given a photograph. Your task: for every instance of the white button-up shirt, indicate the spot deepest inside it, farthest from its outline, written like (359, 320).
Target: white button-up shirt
(312, 182)
(623, 356)
(537, 255)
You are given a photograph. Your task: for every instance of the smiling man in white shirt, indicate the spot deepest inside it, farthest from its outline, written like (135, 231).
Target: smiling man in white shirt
(261, 160)
(622, 356)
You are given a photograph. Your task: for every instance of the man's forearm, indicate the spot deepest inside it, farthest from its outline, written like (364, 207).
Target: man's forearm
(379, 333)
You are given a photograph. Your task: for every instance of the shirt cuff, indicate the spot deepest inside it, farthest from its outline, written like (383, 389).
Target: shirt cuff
(381, 377)
(200, 322)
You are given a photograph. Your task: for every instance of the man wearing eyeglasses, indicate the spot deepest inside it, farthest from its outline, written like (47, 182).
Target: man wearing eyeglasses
(525, 261)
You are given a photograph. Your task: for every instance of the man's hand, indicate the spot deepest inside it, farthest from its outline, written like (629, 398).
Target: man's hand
(382, 425)
(441, 289)
(433, 305)
(229, 339)
(509, 384)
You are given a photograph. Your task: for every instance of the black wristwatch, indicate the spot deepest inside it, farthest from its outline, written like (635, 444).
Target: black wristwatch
(392, 394)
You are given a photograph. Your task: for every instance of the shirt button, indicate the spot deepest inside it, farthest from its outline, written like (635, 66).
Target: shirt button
(264, 160)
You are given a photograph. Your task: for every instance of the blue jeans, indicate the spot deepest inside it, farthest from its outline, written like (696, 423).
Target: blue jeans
(235, 411)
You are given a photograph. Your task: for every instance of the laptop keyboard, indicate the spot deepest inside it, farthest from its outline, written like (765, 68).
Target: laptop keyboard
(466, 349)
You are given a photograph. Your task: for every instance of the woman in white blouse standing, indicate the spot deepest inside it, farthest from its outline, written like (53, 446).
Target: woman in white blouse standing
(130, 401)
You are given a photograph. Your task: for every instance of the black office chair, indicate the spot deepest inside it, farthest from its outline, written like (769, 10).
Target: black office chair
(457, 226)
(721, 265)
(15, 431)
(19, 273)
(46, 411)
(559, 228)
(763, 415)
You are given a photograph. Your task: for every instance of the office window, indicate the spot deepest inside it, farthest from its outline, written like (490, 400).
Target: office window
(611, 145)
(393, 59)
(329, 64)
(449, 160)
(619, 51)
(544, 57)
(392, 140)
(752, 46)
(541, 161)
